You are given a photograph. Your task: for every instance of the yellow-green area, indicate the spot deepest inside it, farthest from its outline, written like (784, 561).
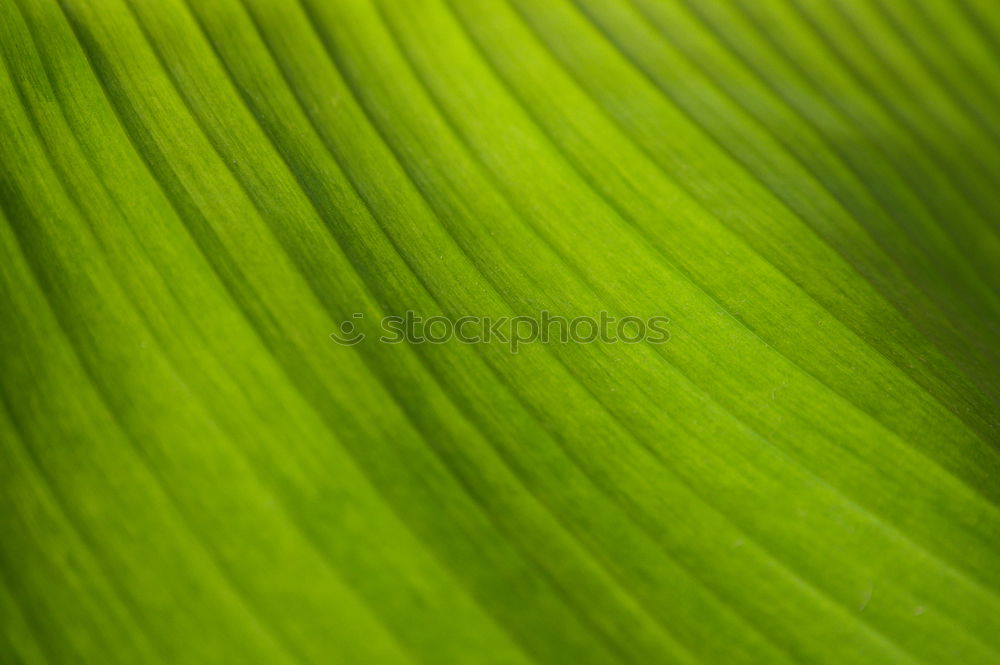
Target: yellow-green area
(194, 194)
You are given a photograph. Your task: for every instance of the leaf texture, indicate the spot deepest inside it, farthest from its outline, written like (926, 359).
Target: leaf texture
(195, 193)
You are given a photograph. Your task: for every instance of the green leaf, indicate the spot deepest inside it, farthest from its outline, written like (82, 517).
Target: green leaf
(198, 198)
